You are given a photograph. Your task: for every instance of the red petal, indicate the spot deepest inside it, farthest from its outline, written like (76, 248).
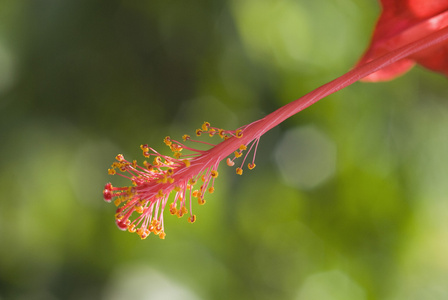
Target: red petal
(402, 22)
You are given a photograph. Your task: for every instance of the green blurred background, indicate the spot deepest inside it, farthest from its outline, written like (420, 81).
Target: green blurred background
(348, 200)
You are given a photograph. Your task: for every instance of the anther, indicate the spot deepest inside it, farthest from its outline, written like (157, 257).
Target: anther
(205, 126)
(192, 219)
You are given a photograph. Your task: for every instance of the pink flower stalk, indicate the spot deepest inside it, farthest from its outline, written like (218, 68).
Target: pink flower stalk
(141, 205)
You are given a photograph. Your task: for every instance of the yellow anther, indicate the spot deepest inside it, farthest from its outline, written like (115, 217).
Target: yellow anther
(205, 126)
(156, 161)
(185, 137)
(160, 193)
(201, 201)
(211, 189)
(111, 171)
(239, 133)
(177, 188)
(251, 166)
(131, 228)
(239, 171)
(203, 178)
(117, 201)
(167, 141)
(243, 147)
(140, 231)
(119, 157)
(229, 162)
(186, 162)
(195, 193)
(192, 181)
(173, 209)
(237, 154)
(139, 209)
(162, 235)
(144, 234)
(158, 230)
(211, 132)
(192, 219)
(145, 150)
(214, 173)
(171, 180)
(198, 132)
(221, 133)
(182, 211)
(134, 164)
(176, 148)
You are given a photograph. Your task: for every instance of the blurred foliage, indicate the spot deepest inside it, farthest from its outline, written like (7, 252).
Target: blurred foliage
(81, 81)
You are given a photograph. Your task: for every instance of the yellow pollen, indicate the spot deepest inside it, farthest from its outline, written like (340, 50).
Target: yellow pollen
(182, 211)
(176, 148)
(211, 189)
(173, 209)
(239, 171)
(144, 234)
(131, 228)
(201, 201)
(239, 133)
(185, 137)
(237, 154)
(186, 162)
(198, 132)
(251, 166)
(214, 173)
(243, 147)
(157, 161)
(119, 157)
(167, 141)
(111, 171)
(192, 219)
(205, 126)
(162, 235)
(160, 193)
